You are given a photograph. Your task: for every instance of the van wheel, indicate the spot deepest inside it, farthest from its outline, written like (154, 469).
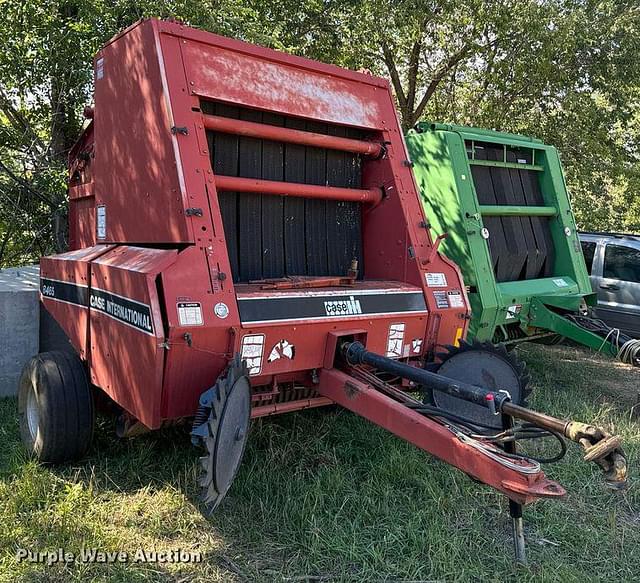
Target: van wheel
(55, 406)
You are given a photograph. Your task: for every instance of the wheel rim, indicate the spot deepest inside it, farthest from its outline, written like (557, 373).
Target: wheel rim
(33, 413)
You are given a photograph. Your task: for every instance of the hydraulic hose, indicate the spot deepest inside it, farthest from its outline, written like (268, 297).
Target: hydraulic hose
(599, 446)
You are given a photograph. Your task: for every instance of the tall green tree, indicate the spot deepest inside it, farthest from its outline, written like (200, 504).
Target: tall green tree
(563, 70)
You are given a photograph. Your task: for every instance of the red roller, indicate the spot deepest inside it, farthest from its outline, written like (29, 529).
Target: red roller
(281, 134)
(236, 184)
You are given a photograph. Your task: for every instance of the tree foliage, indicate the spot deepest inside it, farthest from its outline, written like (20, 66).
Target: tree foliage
(563, 70)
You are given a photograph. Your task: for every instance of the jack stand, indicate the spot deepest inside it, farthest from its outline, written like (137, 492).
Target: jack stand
(515, 509)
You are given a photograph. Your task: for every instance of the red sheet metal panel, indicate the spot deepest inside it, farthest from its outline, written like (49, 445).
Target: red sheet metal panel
(137, 180)
(64, 292)
(127, 331)
(266, 79)
(204, 307)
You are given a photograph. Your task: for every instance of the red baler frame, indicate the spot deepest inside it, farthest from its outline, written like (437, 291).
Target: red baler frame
(149, 242)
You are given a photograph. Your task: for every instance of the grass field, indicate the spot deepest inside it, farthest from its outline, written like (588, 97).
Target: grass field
(325, 496)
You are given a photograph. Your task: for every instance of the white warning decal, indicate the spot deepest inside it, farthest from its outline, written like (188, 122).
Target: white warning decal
(395, 340)
(282, 349)
(101, 221)
(560, 282)
(100, 68)
(513, 311)
(455, 299)
(251, 353)
(436, 279)
(190, 314)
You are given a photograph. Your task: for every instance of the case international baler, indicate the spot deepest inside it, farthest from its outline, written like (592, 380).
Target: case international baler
(247, 240)
(502, 201)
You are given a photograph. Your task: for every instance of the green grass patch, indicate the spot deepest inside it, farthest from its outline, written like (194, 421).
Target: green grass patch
(326, 496)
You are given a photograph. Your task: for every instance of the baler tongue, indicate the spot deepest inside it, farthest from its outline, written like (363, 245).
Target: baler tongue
(486, 451)
(599, 446)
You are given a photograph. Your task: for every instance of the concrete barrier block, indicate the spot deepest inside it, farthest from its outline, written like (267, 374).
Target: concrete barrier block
(19, 323)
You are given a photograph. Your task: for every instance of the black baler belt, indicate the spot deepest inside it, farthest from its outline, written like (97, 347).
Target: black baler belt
(540, 225)
(535, 258)
(294, 211)
(270, 236)
(515, 252)
(224, 160)
(316, 210)
(273, 264)
(250, 204)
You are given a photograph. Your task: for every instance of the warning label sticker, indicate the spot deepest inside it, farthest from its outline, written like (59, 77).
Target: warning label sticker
(513, 311)
(436, 279)
(441, 299)
(101, 221)
(560, 282)
(395, 340)
(455, 299)
(251, 353)
(190, 314)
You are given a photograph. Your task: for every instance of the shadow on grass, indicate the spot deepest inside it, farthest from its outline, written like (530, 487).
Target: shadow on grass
(324, 494)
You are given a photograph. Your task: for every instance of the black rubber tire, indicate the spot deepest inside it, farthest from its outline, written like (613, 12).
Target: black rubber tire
(56, 382)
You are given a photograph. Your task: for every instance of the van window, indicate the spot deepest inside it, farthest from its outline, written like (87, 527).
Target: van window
(589, 250)
(622, 263)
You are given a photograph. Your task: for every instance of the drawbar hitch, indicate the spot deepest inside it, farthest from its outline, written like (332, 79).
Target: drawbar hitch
(599, 446)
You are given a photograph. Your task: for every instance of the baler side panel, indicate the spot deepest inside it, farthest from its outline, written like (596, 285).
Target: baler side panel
(568, 258)
(192, 366)
(127, 331)
(64, 292)
(82, 207)
(136, 177)
(448, 198)
(397, 246)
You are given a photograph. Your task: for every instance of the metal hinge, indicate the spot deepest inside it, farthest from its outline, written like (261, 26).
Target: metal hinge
(193, 212)
(180, 130)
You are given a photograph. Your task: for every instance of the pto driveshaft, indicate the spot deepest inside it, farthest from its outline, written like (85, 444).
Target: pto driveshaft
(600, 447)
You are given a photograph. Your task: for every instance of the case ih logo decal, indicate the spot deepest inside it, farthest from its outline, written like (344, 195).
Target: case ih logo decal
(343, 307)
(129, 312)
(285, 308)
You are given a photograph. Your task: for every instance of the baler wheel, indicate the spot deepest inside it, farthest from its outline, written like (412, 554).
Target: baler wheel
(221, 427)
(55, 406)
(483, 364)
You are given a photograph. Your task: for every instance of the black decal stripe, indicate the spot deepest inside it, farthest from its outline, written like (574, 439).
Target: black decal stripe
(305, 307)
(130, 312)
(63, 291)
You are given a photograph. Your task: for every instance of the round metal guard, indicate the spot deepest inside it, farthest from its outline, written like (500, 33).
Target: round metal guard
(484, 365)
